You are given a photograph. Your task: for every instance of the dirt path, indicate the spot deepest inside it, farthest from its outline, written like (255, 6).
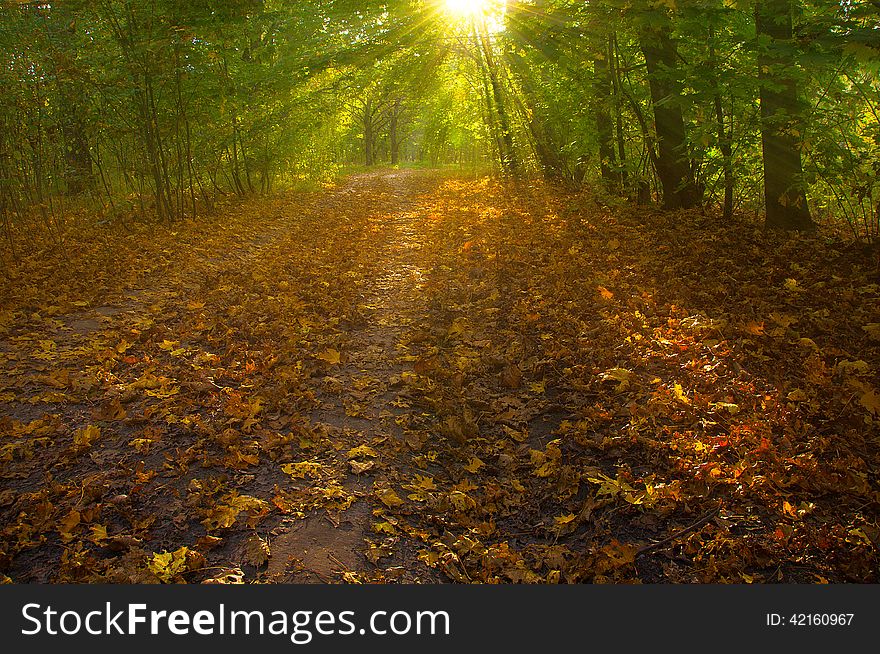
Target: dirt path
(360, 401)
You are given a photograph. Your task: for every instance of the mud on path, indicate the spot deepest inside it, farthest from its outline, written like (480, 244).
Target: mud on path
(416, 378)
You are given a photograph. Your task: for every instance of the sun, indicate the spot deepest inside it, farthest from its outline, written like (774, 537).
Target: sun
(467, 11)
(467, 8)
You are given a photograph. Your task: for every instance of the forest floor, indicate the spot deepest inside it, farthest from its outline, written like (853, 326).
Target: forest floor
(417, 378)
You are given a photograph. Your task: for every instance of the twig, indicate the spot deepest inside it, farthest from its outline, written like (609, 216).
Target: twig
(666, 541)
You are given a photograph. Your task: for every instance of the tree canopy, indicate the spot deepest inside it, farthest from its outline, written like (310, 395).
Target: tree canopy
(157, 107)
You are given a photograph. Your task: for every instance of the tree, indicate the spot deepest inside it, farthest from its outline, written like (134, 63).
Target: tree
(661, 58)
(781, 123)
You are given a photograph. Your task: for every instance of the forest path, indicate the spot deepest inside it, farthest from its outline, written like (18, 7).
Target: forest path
(414, 377)
(359, 399)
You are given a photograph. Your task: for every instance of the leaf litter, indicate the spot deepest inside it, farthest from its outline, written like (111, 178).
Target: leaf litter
(440, 379)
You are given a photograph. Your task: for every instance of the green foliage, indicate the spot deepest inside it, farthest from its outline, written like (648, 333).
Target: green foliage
(153, 109)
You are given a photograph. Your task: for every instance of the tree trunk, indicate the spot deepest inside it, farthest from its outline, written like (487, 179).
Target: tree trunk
(724, 138)
(614, 57)
(394, 136)
(604, 126)
(784, 193)
(673, 166)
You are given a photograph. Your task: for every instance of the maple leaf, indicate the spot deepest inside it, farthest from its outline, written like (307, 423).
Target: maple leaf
(98, 534)
(462, 501)
(169, 565)
(511, 377)
(230, 576)
(755, 328)
(330, 355)
(516, 434)
(615, 555)
(360, 467)
(225, 513)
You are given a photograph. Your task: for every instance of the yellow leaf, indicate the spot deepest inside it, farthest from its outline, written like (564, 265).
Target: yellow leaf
(462, 501)
(384, 528)
(871, 401)
(227, 577)
(732, 409)
(99, 534)
(300, 470)
(680, 395)
(474, 465)
(458, 327)
(565, 519)
(225, 513)
(358, 467)
(142, 445)
(86, 436)
(330, 355)
(791, 285)
(620, 375)
(518, 436)
(169, 565)
(68, 524)
(362, 450)
(389, 498)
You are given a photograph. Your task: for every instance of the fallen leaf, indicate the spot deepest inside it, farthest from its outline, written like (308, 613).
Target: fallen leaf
(330, 355)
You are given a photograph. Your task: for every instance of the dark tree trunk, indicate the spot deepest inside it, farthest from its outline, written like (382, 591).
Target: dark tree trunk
(604, 125)
(79, 175)
(369, 137)
(673, 166)
(784, 193)
(394, 143)
(725, 138)
(395, 137)
(614, 57)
